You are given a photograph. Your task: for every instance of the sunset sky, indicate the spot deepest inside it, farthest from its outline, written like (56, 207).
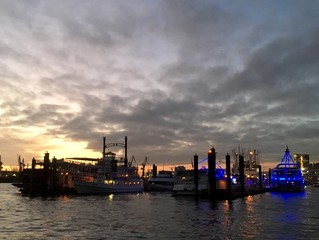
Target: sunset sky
(176, 77)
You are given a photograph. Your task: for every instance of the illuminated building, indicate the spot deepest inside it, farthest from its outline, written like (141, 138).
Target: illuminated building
(302, 160)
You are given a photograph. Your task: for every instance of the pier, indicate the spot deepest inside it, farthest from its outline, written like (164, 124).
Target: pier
(228, 187)
(43, 178)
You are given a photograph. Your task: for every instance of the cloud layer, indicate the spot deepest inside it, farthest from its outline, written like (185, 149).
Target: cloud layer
(176, 77)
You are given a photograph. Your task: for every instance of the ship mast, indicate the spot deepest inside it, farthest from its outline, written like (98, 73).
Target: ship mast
(287, 158)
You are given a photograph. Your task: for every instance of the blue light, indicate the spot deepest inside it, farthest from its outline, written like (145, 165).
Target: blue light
(205, 159)
(287, 175)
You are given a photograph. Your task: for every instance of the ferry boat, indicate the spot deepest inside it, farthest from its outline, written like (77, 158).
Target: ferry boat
(163, 181)
(81, 175)
(111, 177)
(287, 176)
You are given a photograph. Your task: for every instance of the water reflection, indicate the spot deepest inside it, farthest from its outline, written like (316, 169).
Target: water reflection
(159, 216)
(110, 197)
(64, 198)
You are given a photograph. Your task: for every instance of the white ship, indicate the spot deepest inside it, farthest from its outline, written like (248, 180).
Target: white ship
(112, 176)
(163, 181)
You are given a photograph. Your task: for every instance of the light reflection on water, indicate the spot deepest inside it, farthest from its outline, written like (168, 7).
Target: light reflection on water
(158, 216)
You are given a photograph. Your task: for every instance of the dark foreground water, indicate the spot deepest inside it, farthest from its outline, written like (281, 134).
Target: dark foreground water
(158, 216)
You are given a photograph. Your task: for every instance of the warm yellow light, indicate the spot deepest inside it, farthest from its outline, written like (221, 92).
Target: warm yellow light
(62, 148)
(109, 182)
(110, 197)
(37, 141)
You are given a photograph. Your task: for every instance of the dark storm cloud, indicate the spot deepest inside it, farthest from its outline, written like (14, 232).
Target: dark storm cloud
(264, 99)
(200, 29)
(174, 76)
(284, 73)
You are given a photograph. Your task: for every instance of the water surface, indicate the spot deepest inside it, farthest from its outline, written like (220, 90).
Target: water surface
(158, 216)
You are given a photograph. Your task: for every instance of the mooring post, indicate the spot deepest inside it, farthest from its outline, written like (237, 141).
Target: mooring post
(31, 188)
(103, 149)
(228, 176)
(260, 177)
(154, 170)
(54, 176)
(125, 147)
(212, 173)
(242, 173)
(196, 175)
(46, 164)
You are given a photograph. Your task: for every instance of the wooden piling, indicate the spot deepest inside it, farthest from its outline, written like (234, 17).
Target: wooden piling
(196, 175)
(212, 173)
(125, 157)
(228, 176)
(45, 176)
(260, 177)
(154, 170)
(54, 183)
(31, 186)
(241, 173)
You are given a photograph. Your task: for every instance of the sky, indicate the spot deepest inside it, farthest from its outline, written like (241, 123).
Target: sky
(175, 76)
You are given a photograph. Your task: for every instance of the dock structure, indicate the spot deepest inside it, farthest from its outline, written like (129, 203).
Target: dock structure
(228, 187)
(42, 178)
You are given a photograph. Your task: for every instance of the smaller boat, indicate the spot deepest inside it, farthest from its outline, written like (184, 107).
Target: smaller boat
(287, 176)
(185, 182)
(163, 181)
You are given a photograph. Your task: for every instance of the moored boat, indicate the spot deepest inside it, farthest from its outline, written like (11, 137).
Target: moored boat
(110, 178)
(185, 182)
(163, 181)
(81, 175)
(287, 176)
(125, 180)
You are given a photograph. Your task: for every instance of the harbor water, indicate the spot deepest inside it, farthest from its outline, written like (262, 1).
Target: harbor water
(158, 216)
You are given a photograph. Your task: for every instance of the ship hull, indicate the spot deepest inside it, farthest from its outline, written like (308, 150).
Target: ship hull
(284, 187)
(99, 188)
